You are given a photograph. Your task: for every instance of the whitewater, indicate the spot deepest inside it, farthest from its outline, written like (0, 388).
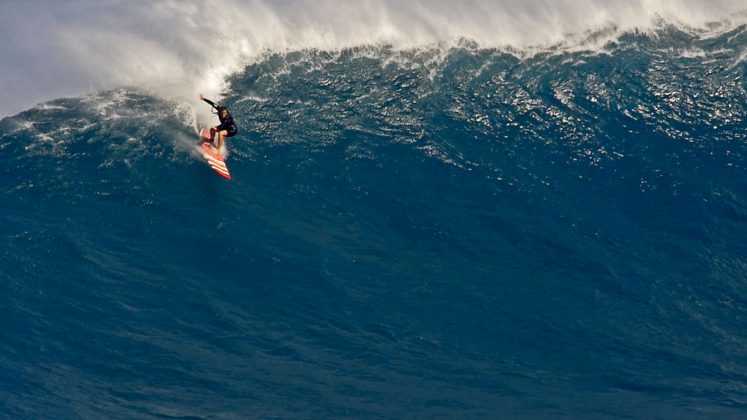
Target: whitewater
(473, 209)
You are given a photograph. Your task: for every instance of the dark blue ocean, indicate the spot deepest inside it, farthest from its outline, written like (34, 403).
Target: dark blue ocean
(431, 233)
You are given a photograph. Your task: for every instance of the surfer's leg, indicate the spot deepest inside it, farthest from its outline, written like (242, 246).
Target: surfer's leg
(221, 135)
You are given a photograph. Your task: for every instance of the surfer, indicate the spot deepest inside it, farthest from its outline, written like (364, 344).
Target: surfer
(227, 127)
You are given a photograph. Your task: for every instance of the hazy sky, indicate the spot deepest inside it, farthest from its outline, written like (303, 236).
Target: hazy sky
(177, 48)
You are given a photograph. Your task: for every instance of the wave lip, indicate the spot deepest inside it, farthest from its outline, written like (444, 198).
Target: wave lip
(180, 49)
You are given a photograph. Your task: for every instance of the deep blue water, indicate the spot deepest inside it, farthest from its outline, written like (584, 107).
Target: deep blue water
(429, 233)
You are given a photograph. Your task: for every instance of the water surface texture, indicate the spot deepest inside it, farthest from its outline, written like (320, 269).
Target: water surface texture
(452, 231)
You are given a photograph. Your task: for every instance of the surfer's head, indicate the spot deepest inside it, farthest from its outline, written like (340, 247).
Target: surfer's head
(222, 113)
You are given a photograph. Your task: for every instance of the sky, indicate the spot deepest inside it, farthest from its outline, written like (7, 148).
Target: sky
(179, 48)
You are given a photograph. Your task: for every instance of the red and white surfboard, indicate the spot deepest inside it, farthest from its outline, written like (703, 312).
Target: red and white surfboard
(212, 155)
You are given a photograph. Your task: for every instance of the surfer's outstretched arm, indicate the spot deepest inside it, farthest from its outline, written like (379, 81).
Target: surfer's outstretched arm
(211, 103)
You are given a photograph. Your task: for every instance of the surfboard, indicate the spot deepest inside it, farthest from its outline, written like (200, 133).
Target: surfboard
(212, 155)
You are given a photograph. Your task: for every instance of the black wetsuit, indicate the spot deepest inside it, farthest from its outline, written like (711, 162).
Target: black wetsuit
(225, 123)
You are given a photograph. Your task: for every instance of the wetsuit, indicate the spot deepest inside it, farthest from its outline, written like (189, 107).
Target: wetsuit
(225, 123)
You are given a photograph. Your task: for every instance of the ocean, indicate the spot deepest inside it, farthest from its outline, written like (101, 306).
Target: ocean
(450, 230)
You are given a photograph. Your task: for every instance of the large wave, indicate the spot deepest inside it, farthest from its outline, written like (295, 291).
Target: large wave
(452, 229)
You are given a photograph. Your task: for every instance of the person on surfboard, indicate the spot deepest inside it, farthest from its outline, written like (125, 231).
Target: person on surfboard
(227, 127)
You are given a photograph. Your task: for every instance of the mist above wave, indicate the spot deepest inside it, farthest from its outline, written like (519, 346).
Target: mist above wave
(179, 48)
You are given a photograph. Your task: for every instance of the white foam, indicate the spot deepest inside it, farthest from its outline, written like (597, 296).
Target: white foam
(181, 48)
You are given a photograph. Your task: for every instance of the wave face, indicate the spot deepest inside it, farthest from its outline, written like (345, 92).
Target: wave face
(454, 232)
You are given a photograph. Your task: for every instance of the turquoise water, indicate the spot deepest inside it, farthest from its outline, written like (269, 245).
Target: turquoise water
(429, 233)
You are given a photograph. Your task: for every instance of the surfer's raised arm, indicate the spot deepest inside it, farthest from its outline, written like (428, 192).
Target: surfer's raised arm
(208, 101)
